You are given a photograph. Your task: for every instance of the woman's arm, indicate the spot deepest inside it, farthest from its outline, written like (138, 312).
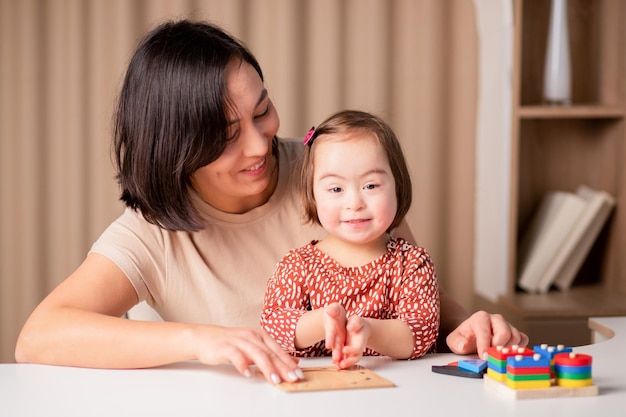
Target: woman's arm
(462, 333)
(452, 315)
(80, 324)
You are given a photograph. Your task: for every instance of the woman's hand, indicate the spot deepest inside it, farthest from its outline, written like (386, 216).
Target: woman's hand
(482, 330)
(244, 347)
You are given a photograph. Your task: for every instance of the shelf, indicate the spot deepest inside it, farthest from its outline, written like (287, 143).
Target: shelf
(570, 112)
(557, 147)
(579, 302)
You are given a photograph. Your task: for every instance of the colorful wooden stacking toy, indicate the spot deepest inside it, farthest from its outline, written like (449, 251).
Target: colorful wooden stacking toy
(550, 351)
(542, 372)
(523, 372)
(497, 359)
(573, 370)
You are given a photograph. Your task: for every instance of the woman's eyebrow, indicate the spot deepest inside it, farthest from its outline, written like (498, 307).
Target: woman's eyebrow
(262, 97)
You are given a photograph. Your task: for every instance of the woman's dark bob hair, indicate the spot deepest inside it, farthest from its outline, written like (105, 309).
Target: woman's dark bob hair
(172, 118)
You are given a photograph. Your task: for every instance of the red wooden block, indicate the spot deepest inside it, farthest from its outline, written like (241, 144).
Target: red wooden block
(503, 352)
(572, 359)
(528, 370)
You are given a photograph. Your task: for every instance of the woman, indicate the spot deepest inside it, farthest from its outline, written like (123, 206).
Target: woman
(210, 210)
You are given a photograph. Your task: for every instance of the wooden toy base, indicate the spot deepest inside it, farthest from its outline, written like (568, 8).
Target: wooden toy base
(553, 392)
(330, 378)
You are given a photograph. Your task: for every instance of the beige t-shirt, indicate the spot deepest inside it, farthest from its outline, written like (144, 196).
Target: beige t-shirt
(217, 275)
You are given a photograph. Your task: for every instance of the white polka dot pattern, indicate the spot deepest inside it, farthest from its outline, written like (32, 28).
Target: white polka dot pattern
(401, 284)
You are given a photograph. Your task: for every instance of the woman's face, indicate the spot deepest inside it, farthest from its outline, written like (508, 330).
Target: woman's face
(245, 175)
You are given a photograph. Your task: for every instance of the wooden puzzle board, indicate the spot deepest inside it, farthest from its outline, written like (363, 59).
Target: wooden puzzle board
(553, 392)
(325, 378)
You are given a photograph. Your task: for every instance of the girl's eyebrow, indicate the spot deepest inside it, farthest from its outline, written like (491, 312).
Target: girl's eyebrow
(262, 97)
(370, 172)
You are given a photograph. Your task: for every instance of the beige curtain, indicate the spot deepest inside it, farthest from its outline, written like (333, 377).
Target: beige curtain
(61, 63)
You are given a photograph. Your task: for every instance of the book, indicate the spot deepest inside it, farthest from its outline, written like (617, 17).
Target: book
(556, 215)
(565, 265)
(560, 236)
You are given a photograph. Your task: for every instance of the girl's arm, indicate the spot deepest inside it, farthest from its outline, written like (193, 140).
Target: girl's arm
(391, 338)
(414, 332)
(350, 337)
(286, 311)
(418, 301)
(80, 324)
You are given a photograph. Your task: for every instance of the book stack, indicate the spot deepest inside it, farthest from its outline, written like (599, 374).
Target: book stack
(560, 236)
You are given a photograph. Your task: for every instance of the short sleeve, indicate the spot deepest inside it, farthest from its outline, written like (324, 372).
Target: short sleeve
(136, 247)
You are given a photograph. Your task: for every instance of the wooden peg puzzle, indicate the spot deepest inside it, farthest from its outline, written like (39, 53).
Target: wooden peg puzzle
(541, 372)
(330, 378)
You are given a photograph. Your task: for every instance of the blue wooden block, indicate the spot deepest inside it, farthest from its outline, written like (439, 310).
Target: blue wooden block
(573, 369)
(501, 369)
(473, 365)
(535, 361)
(550, 351)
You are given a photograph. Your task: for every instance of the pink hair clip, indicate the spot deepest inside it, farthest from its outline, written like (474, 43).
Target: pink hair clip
(309, 136)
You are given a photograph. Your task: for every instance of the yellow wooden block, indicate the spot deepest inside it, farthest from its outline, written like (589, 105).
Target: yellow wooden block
(574, 383)
(496, 375)
(540, 383)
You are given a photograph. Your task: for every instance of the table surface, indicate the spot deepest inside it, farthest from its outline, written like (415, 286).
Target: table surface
(192, 389)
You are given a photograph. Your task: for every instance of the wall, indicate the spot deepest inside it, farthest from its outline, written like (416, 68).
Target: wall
(61, 61)
(494, 21)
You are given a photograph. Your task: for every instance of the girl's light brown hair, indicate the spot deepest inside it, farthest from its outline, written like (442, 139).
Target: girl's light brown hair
(356, 122)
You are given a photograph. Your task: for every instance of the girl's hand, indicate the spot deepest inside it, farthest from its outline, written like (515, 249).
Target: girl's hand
(334, 322)
(358, 332)
(244, 347)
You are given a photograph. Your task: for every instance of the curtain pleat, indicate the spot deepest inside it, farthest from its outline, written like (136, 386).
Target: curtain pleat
(413, 62)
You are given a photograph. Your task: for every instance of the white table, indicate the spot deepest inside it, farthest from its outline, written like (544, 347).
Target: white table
(191, 389)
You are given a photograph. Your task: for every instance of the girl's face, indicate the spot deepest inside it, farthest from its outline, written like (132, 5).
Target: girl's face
(245, 175)
(354, 187)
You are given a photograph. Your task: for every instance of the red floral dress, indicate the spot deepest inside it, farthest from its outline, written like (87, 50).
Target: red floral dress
(401, 284)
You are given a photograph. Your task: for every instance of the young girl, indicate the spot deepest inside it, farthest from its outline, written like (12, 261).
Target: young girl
(358, 291)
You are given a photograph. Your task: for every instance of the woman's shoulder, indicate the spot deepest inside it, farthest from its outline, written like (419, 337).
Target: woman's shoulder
(131, 226)
(292, 142)
(300, 258)
(302, 253)
(290, 148)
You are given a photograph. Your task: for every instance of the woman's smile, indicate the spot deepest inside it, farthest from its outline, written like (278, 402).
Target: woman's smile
(258, 168)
